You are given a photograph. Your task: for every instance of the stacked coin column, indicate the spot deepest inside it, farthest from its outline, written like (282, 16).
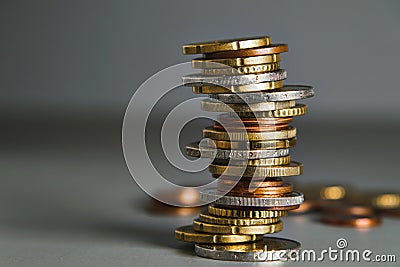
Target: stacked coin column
(251, 94)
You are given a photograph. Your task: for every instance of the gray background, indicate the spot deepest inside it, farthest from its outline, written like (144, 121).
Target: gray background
(69, 68)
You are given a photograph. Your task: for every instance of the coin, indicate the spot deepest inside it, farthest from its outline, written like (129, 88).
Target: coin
(237, 230)
(234, 80)
(298, 110)
(270, 144)
(254, 162)
(352, 220)
(292, 169)
(240, 213)
(252, 121)
(306, 206)
(268, 249)
(212, 89)
(386, 201)
(205, 217)
(287, 92)
(229, 181)
(255, 191)
(273, 208)
(251, 128)
(216, 106)
(209, 132)
(193, 150)
(252, 69)
(294, 198)
(200, 63)
(226, 45)
(260, 51)
(188, 234)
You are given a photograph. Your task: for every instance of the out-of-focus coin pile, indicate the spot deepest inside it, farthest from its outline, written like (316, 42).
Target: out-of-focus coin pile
(250, 148)
(340, 205)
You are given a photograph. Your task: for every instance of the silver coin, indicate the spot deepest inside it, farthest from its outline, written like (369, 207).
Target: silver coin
(267, 249)
(194, 150)
(295, 198)
(287, 92)
(240, 79)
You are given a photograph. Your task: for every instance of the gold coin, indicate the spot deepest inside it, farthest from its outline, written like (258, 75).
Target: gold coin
(252, 69)
(188, 234)
(209, 132)
(386, 201)
(222, 63)
(226, 45)
(292, 169)
(217, 106)
(298, 110)
(254, 162)
(271, 144)
(256, 87)
(247, 214)
(237, 230)
(205, 217)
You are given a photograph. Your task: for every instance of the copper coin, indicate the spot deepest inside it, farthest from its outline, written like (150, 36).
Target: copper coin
(306, 206)
(159, 208)
(246, 183)
(267, 50)
(257, 208)
(352, 220)
(356, 210)
(268, 190)
(253, 120)
(277, 127)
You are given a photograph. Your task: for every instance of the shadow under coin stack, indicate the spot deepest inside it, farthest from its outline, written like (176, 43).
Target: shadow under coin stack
(250, 83)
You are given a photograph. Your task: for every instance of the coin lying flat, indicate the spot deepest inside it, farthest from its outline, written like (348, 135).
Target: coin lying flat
(270, 144)
(200, 63)
(187, 234)
(240, 79)
(287, 92)
(217, 106)
(292, 199)
(205, 217)
(226, 45)
(237, 230)
(194, 150)
(254, 162)
(292, 169)
(298, 110)
(260, 51)
(268, 249)
(240, 213)
(252, 69)
(256, 87)
(209, 132)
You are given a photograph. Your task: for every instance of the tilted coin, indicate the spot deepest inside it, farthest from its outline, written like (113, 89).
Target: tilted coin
(188, 234)
(200, 63)
(259, 51)
(268, 249)
(256, 87)
(206, 217)
(292, 199)
(298, 110)
(287, 92)
(270, 144)
(237, 230)
(209, 132)
(194, 150)
(217, 106)
(226, 45)
(254, 162)
(239, 213)
(240, 79)
(252, 69)
(292, 169)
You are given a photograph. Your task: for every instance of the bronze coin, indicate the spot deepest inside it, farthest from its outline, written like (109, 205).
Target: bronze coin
(356, 210)
(261, 51)
(260, 191)
(306, 206)
(245, 183)
(253, 120)
(267, 128)
(352, 220)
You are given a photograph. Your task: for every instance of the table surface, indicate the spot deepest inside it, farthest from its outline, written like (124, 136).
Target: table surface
(68, 199)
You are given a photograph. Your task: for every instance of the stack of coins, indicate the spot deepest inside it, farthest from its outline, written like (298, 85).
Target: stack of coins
(250, 149)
